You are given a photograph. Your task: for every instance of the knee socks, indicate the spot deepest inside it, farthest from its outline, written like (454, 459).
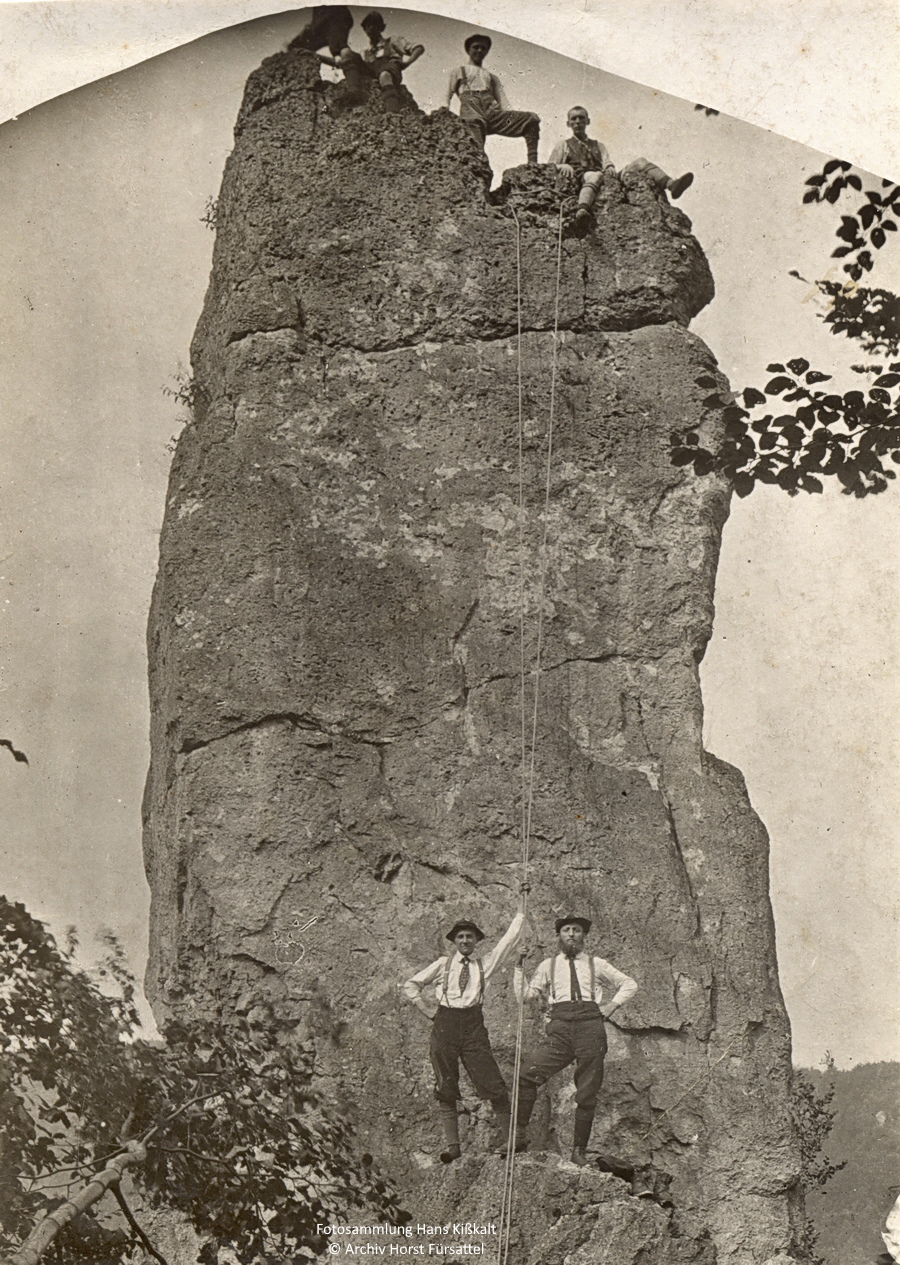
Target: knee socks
(449, 1123)
(584, 1119)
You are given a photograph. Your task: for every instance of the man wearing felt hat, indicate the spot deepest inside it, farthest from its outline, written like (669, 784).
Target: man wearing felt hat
(483, 106)
(573, 982)
(458, 1032)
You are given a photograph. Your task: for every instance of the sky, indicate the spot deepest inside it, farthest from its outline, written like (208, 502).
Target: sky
(103, 266)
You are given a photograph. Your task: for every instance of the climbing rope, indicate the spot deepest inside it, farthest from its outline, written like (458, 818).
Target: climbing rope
(527, 762)
(528, 756)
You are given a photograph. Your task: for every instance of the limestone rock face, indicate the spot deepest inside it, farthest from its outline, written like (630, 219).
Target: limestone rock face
(336, 663)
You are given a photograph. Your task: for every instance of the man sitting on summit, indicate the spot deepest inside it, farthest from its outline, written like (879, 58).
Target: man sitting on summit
(385, 59)
(580, 155)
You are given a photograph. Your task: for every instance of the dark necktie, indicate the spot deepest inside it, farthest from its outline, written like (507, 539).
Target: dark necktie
(463, 976)
(574, 986)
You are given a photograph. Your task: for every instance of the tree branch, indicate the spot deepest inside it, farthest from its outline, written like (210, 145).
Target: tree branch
(129, 1217)
(46, 1231)
(212, 1093)
(197, 1155)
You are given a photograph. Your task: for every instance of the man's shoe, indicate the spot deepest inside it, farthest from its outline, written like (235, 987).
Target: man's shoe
(584, 221)
(521, 1144)
(678, 186)
(452, 1153)
(579, 1156)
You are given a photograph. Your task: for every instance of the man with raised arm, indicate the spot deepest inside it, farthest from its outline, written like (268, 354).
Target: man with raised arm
(582, 991)
(458, 1033)
(583, 156)
(483, 106)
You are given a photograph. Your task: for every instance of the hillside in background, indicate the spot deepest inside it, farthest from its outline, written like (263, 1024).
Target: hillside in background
(849, 1214)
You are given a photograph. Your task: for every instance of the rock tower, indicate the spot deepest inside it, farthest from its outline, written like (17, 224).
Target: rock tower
(335, 664)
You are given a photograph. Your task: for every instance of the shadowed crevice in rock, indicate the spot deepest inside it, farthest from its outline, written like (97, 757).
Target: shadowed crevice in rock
(335, 666)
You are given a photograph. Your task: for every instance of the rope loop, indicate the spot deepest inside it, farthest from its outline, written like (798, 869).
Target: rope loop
(528, 758)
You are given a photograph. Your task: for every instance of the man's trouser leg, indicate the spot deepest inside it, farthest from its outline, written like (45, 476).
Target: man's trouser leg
(389, 80)
(479, 1062)
(516, 123)
(589, 186)
(550, 1056)
(532, 136)
(477, 129)
(590, 1053)
(644, 167)
(662, 181)
(357, 76)
(444, 1049)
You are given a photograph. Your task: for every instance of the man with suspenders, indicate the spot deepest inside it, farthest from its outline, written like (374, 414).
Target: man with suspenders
(483, 106)
(573, 981)
(458, 1032)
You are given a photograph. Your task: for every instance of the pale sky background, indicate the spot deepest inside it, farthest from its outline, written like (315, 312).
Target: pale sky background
(103, 266)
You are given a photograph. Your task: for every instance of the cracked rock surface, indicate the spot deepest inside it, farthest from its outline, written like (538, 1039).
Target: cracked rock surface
(335, 663)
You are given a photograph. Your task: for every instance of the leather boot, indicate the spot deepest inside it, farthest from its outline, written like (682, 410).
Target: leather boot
(679, 184)
(390, 97)
(450, 1129)
(521, 1143)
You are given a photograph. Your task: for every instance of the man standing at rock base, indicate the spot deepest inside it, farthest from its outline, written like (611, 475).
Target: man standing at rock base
(458, 1032)
(573, 981)
(483, 106)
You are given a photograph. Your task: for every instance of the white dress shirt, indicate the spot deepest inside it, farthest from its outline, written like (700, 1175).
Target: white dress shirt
(470, 78)
(455, 998)
(553, 979)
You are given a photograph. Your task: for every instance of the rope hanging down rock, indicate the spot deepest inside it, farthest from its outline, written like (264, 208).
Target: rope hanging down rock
(528, 759)
(528, 755)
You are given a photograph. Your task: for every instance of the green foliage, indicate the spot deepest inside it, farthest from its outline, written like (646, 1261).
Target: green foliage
(210, 216)
(193, 400)
(852, 435)
(65, 1069)
(871, 317)
(236, 1137)
(185, 392)
(849, 1213)
(813, 1117)
(865, 231)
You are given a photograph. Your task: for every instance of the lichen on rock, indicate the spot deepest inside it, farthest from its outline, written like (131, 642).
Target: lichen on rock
(335, 662)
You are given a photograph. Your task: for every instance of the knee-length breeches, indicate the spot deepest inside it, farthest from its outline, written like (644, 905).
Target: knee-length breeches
(578, 1041)
(460, 1036)
(482, 115)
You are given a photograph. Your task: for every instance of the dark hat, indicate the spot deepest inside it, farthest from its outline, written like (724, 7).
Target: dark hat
(583, 923)
(464, 926)
(485, 38)
(373, 19)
